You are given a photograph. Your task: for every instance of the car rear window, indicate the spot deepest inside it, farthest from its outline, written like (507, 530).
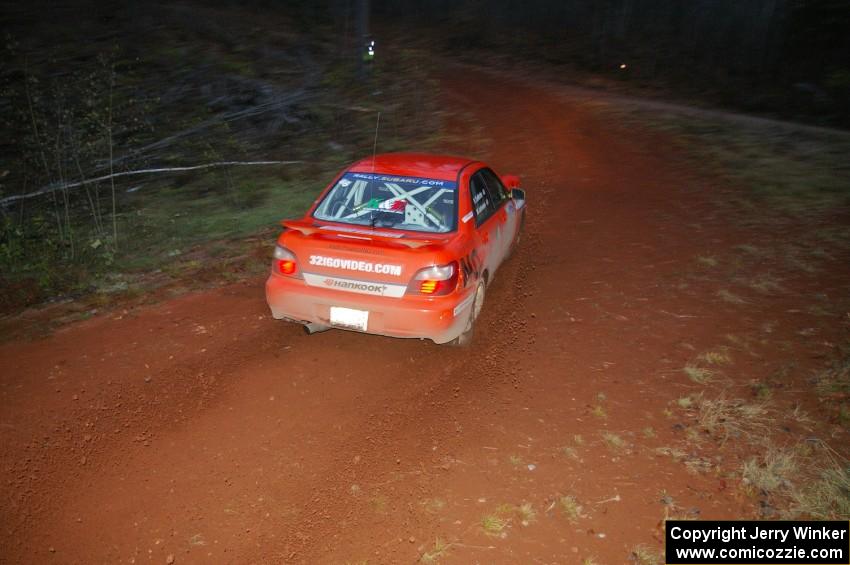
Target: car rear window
(390, 201)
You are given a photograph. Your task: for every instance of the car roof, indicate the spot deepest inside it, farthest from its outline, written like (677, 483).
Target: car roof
(425, 165)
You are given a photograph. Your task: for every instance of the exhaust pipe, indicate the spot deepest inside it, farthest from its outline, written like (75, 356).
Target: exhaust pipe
(314, 328)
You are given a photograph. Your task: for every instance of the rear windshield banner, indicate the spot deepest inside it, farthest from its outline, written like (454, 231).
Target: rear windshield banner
(412, 181)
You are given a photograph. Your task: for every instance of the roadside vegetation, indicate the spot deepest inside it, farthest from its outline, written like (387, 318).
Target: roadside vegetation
(786, 190)
(167, 152)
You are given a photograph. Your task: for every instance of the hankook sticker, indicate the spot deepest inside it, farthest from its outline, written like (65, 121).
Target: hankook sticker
(351, 285)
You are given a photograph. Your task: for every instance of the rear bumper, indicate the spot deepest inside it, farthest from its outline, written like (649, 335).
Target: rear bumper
(439, 318)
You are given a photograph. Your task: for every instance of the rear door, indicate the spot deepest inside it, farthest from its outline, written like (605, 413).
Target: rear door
(487, 224)
(505, 214)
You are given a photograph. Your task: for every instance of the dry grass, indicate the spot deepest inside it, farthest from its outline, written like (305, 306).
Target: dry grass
(379, 504)
(570, 508)
(684, 402)
(832, 386)
(731, 297)
(642, 555)
(827, 497)
(761, 390)
(493, 524)
(811, 479)
(766, 284)
(433, 505)
(526, 513)
(771, 472)
(437, 552)
(750, 250)
(716, 357)
(674, 453)
(613, 441)
(735, 418)
(697, 374)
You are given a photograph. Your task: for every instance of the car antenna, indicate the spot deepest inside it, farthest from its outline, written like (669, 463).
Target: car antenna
(375, 144)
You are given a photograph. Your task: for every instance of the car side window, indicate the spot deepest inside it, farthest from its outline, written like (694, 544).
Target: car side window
(498, 192)
(482, 204)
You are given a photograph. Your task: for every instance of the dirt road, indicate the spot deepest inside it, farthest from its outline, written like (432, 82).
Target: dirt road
(201, 430)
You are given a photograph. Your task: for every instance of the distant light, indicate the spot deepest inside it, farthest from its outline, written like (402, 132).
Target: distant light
(623, 65)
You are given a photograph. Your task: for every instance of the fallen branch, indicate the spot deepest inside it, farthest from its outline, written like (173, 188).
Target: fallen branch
(62, 186)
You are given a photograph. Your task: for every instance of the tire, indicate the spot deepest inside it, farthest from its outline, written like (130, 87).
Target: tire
(465, 338)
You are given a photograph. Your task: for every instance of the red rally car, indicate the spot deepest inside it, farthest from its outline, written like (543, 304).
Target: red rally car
(400, 244)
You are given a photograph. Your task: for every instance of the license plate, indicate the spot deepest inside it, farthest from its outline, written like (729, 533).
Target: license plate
(349, 318)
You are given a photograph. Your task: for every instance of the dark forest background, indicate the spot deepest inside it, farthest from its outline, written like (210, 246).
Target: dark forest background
(790, 57)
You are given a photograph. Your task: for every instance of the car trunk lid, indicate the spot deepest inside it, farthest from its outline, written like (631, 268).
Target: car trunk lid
(359, 254)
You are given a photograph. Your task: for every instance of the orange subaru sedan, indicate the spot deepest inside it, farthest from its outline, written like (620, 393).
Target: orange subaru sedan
(401, 245)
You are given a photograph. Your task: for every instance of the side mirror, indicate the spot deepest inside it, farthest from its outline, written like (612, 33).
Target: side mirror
(518, 194)
(511, 181)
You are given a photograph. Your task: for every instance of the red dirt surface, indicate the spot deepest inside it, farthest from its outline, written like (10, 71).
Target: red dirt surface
(201, 430)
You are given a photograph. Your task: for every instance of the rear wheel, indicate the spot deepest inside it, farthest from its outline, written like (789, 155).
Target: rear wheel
(477, 304)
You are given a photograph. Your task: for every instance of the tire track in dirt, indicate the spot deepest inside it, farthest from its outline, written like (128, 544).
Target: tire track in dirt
(133, 413)
(495, 361)
(390, 419)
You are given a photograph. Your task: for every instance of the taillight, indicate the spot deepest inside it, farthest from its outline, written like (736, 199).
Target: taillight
(438, 280)
(284, 261)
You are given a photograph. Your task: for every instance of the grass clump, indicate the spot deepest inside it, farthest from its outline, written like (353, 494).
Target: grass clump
(761, 390)
(493, 524)
(725, 418)
(828, 496)
(809, 480)
(697, 374)
(730, 297)
(614, 441)
(437, 552)
(832, 386)
(716, 357)
(642, 555)
(571, 508)
(526, 513)
(770, 472)
(766, 284)
(379, 504)
(685, 402)
(433, 505)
